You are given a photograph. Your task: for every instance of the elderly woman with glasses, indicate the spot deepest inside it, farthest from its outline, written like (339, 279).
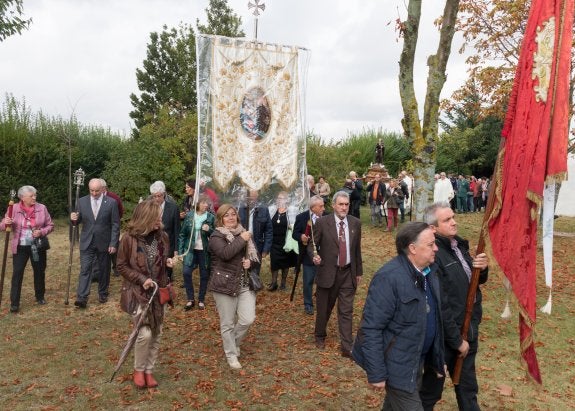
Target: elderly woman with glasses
(30, 223)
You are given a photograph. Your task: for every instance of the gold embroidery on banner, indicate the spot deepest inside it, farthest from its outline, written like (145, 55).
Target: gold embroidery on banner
(236, 151)
(542, 58)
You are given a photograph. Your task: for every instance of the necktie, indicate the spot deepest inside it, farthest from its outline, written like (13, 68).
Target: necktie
(461, 259)
(95, 207)
(342, 247)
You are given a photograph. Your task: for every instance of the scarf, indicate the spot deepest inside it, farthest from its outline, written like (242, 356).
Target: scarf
(231, 235)
(154, 250)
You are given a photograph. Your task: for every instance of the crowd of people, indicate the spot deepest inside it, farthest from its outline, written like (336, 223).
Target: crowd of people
(466, 194)
(409, 333)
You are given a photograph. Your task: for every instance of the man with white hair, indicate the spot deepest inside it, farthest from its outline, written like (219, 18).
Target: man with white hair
(170, 217)
(358, 188)
(100, 221)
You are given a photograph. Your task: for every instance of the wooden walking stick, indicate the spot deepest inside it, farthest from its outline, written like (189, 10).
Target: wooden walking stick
(6, 242)
(79, 175)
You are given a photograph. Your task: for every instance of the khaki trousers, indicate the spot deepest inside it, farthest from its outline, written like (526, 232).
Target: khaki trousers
(236, 316)
(147, 347)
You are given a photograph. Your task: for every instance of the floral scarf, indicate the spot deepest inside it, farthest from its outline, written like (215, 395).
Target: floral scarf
(231, 234)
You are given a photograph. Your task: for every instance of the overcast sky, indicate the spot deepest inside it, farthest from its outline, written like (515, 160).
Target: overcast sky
(80, 56)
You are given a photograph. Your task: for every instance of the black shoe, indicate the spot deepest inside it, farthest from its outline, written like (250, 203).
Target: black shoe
(308, 310)
(14, 308)
(320, 343)
(189, 305)
(273, 287)
(116, 273)
(80, 304)
(41, 301)
(282, 287)
(346, 354)
(103, 299)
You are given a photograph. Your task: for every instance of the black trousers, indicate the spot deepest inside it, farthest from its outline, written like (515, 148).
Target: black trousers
(467, 389)
(20, 259)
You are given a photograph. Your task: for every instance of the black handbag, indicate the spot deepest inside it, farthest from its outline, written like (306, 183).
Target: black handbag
(255, 282)
(42, 243)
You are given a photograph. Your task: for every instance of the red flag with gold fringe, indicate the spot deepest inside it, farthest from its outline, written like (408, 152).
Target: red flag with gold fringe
(534, 150)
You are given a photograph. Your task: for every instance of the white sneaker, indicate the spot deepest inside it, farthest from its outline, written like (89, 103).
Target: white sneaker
(234, 363)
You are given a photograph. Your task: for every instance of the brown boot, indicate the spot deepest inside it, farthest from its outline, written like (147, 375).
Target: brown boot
(139, 379)
(150, 380)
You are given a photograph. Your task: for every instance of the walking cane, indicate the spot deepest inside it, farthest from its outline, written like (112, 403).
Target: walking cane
(79, 175)
(6, 242)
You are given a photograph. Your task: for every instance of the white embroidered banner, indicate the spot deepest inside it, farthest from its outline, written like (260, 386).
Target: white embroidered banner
(250, 115)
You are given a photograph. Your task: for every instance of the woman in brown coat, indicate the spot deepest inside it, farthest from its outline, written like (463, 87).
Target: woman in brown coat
(233, 252)
(142, 260)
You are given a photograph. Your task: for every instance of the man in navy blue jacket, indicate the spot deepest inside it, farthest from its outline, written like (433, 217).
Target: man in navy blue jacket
(259, 224)
(401, 327)
(303, 233)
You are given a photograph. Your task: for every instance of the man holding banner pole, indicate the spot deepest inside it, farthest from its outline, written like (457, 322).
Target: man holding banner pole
(454, 270)
(303, 233)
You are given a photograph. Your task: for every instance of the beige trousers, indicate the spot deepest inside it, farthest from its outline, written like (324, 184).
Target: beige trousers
(236, 316)
(147, 347)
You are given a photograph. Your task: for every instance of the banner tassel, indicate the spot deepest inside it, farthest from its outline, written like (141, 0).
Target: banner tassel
(546, 309)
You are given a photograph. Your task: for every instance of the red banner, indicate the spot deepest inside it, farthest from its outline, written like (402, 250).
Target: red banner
(535, 150)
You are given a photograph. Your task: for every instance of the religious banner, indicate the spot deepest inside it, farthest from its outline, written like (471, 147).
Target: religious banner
(251, 128)
(534, 151)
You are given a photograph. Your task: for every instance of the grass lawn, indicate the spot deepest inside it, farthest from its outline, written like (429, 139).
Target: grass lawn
(55, 357)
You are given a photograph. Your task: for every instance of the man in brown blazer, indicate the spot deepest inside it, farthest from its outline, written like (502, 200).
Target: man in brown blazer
(339, 270)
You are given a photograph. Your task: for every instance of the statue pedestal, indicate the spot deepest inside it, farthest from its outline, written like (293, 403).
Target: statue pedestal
(376, 169)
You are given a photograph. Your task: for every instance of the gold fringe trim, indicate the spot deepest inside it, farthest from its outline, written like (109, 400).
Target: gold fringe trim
(556, 178)
(537, 201)
(498, 176)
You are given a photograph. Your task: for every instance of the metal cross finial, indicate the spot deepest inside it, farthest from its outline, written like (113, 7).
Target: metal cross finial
(257, 7)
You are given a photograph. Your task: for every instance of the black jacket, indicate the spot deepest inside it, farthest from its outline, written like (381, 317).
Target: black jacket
(262, 226)
(454, 286)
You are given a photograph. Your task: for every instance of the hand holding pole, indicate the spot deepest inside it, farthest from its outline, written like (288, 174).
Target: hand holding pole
(6, 242)
(78, 182)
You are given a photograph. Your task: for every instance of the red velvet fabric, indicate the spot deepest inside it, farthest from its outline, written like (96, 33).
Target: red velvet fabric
(535, 148)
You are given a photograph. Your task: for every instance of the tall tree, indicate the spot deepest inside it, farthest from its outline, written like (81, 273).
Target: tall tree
(11, 21)
(221, 20)
(168, 77)
(422, 135)
(494, 29)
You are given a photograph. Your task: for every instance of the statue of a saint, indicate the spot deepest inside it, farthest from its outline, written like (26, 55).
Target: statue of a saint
(379, 152)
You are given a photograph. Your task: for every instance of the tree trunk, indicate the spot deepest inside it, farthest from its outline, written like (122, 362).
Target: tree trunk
(423, 139)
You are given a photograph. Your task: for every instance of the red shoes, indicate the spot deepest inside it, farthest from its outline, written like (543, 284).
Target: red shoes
(144, 380)
(150, 381)
(139, 379)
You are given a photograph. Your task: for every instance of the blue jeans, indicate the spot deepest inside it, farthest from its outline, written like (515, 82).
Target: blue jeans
(308, 279)
(199, 261)
(462, 204)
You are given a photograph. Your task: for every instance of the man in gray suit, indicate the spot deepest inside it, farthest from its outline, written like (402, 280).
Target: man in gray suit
(100, 221)
(339, 270)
